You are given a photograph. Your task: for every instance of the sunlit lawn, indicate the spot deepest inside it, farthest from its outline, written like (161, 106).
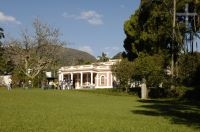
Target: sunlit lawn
(76, 111)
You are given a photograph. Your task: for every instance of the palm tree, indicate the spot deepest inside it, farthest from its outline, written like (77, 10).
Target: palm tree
(1, 33)
(103, 57)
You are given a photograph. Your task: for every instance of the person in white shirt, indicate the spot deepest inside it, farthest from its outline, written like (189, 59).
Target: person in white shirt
(9, 82)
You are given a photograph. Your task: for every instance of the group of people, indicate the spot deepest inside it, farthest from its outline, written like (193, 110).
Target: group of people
(61, 85)
(66, 84)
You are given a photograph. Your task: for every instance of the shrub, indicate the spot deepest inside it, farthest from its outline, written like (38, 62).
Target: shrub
(175, 92)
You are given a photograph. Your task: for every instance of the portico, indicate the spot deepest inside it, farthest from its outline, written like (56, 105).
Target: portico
(96, 75)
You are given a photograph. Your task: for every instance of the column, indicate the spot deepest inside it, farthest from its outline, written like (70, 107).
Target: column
(97, 80)
(81, 79)
(107, 79)
(71, 76)
(91, 81)
(87, 77)
(111, 80)
(60, 76)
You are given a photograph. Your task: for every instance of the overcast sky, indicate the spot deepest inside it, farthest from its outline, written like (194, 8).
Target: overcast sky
(94, 26)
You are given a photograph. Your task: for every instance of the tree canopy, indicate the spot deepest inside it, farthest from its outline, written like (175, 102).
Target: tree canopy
(149, 29)
(154, 38)
(2, 62)
(34, 53)
(123, 71)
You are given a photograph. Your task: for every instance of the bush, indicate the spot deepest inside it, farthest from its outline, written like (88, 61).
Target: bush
(178, 91)
(167, 92)
(192, 94)
(189, 69)
(157, 92)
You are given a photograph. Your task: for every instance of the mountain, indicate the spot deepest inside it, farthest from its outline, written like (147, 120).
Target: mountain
(69, 56)
(117, 56)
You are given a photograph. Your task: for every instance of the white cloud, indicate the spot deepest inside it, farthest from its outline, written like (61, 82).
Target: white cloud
(87, 49)
(6, 18)
(92, 17)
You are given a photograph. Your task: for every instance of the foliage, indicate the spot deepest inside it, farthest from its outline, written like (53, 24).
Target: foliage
(123, 71)
(177, 92)
(34, 53)
(1, 33)
(149, 29)
(6, 64)
(189, 69)
(192, 94)
(2, 61)
(150, 68)
(103, 57)
(149, 32)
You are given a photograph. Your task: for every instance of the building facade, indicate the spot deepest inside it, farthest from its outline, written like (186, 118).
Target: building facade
(97, 75)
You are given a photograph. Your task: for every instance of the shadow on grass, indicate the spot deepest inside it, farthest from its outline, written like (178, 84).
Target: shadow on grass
(177, 112)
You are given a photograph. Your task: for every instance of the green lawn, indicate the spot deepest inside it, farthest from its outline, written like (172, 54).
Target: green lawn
(77, 111)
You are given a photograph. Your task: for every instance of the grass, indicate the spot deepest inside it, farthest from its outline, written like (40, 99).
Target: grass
(39, 110)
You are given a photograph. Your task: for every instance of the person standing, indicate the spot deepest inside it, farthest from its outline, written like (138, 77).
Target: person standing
(9, 83)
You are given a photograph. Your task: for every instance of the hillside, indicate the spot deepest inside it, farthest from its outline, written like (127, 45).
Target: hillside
(69, 56)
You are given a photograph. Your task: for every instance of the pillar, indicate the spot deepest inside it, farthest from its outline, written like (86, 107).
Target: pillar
(91, 81)
(97, 80)
(60, 76)
(111, 80)
(71, 76)
(81, 79)
(107, 78)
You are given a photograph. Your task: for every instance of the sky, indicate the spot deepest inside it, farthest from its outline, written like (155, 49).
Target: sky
(94, 26)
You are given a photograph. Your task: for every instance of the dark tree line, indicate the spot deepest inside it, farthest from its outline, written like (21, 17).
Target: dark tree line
(6, 64)
(150, 43)
(150, 28)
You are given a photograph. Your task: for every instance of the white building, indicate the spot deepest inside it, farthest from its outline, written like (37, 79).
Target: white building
(97, 75)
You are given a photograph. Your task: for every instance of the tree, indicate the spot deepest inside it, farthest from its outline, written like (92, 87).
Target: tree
(2, 60)
(149, 70)
(6, 65)
(33, 54)
(149, 29)
(103, 57)
(1, 52)
(189, 69)
(123, 71)
(145, 30)
(1, 33)
(146, 69)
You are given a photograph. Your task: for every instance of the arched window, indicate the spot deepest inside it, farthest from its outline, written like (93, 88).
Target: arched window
(102, 78)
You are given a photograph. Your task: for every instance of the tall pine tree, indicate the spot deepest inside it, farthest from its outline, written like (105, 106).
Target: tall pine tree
(150, 28)
(2, 61)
